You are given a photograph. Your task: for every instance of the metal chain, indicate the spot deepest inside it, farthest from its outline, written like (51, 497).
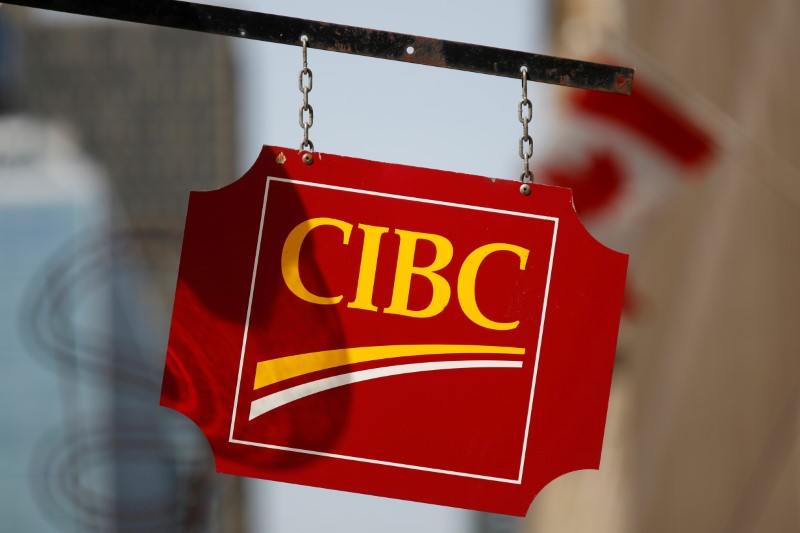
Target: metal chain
(525, 114)
(305, 82)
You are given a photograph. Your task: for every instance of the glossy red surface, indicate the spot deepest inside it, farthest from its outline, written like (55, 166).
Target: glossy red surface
(487, 438)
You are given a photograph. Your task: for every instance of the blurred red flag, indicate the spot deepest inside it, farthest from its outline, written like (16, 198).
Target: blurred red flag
(623, 157)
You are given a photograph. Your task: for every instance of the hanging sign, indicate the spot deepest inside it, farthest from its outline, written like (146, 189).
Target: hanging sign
(395, 331)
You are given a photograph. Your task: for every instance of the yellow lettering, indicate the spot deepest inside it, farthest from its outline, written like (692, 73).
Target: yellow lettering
(369, 263)
(468, 275)
(406, 270)
(290, 257)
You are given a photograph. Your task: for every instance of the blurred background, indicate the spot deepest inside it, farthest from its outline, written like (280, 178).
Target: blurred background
(106, 127)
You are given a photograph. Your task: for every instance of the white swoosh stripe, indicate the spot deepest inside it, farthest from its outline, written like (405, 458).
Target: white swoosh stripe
(280, 398)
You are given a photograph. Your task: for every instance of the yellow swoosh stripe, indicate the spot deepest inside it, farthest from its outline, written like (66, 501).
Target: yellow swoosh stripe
(291, 366)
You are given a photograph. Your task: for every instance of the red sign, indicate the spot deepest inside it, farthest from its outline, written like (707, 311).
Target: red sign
(395, 331)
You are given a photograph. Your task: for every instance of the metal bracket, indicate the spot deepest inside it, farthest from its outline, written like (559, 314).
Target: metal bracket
(350, 40)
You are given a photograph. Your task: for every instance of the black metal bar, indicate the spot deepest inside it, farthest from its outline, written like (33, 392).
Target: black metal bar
(350, 40)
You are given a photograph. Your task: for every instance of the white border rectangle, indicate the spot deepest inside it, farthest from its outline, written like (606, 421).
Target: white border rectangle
(412, 199)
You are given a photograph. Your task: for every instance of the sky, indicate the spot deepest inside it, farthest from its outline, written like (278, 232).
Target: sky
(391, 111)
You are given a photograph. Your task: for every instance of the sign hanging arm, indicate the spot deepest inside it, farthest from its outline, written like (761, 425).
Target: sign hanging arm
(351, 40)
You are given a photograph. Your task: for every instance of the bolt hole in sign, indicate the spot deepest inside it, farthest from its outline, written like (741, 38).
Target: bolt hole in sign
(395, 331)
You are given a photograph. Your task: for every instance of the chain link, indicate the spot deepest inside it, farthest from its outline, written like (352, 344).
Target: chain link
(525, 114)
(305, 82)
